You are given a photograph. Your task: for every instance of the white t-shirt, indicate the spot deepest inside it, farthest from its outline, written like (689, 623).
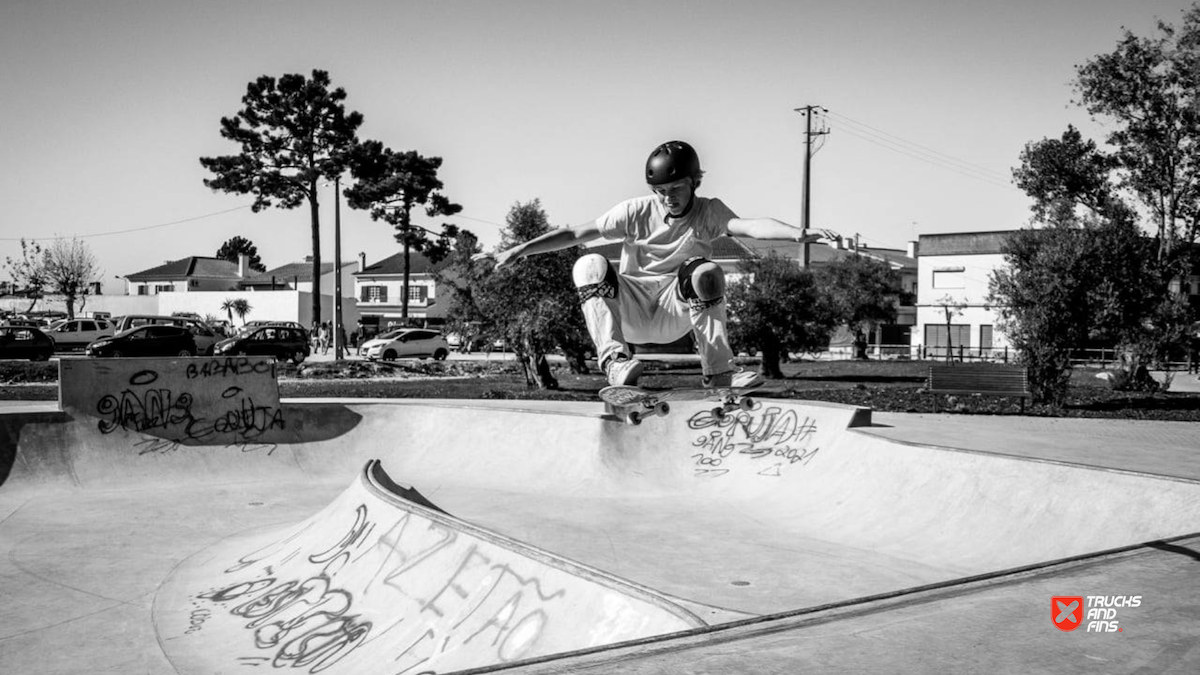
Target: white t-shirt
(655, 245)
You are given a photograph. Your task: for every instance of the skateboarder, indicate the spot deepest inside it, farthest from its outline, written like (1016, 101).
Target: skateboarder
(667, 284)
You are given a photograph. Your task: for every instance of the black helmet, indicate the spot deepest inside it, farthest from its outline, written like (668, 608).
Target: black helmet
(672, 161)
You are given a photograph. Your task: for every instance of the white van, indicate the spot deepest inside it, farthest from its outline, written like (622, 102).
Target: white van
(205, 336)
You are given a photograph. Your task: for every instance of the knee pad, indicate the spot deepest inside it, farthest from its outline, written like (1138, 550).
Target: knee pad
(701, 281)
(594, 277)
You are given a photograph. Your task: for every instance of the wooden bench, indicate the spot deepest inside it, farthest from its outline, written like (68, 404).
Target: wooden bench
(990, 380)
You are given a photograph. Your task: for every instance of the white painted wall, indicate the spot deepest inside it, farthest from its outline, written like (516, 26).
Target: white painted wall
(286, 305)
(937, 278)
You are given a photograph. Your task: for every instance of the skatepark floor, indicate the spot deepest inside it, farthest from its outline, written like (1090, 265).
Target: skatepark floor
(89, 543)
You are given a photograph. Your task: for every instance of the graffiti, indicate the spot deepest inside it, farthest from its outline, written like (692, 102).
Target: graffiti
(164, 411)
(196, 620)
(229, 367)
(767, 440)
(442, 592)
(161, 446)
(306, 622)
(153, 409)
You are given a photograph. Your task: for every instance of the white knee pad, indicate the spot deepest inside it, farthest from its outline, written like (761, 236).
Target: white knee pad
(591, 269)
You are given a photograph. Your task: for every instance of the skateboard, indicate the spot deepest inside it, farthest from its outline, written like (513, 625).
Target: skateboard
(634, 404)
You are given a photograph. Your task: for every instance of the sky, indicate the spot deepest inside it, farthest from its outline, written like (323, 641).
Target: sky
(109, 104)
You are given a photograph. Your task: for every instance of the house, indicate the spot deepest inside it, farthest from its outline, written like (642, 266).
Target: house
(298, 276)
(193, 273)
(955, 272)
(379, 290)
(954, 284)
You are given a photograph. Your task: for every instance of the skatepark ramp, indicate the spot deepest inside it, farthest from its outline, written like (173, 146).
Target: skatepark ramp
(501, 531)
(376, 582)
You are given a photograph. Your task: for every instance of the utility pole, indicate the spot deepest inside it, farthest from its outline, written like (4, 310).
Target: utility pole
(809, 134)
(337, 268)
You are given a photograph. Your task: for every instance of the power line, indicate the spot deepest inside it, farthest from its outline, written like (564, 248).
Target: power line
(134, 229)
(918, 151)
(917, 146)
(182, 222)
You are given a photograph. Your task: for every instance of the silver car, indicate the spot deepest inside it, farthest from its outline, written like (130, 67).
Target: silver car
(75, 334)
(407, 343)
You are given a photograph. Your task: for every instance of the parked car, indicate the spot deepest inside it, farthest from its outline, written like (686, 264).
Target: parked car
(290, 324)
(406, 343)
(460, 344)
(204, 335)
(25, 342)
(148, 340)
(283, 342)
(77, 334)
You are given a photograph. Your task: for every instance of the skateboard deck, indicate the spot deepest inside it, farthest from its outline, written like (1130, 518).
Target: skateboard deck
(634, 404)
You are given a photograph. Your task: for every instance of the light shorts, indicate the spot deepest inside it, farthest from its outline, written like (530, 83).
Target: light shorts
(651, 310)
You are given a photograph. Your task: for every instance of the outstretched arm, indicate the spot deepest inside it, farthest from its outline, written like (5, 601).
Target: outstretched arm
(770, 228)
(554, 240)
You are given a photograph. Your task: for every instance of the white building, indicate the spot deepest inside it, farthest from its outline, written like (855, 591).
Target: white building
(379, 289)
(953, 278)
(190, 274)
(298, 276)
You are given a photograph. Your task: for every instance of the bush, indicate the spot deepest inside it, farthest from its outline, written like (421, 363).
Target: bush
(28, 371)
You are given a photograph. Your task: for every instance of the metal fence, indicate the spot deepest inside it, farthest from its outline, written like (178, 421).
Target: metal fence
(1100, 358)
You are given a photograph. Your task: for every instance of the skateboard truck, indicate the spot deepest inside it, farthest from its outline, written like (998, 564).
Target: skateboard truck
(731, 403)
(634, 415)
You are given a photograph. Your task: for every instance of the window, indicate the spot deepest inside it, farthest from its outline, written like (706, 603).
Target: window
(950, 277)
(374, 294)
(960, 335)
(163, 288)
(143, 290)
(985, 337)
(418, 293)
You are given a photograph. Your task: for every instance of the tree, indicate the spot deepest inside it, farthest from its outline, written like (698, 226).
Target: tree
(951, 307)
(862, 290)
(294, 133)
(460, 277)
(1069, 178)
(70, 267)
(1132, 303)
(391, 184)
(531, 303)
(241, 307)
(28, 272)
(1042, 296)
(776, 306)
(227, 307)
(1148, 89)
(239, 246)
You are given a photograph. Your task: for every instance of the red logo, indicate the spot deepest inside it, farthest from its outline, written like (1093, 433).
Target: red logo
(1066, 611)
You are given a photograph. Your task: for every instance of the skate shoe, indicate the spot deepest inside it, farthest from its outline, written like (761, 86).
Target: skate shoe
(622, 370)
(734, 379)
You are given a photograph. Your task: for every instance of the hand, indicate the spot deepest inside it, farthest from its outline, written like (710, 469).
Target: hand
(826, 234)
(502, 258)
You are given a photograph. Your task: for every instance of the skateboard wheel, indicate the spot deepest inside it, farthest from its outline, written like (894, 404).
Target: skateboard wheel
(718, 413)
(746, 404)
(662, 409)
(633, 418)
